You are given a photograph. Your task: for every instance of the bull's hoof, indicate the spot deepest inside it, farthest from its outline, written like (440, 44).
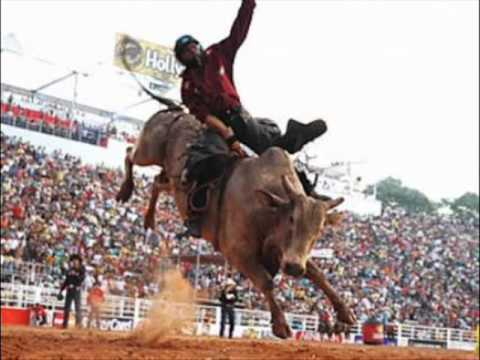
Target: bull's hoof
(281, 329)
(125, 192)
(345, 314)
(341, 327)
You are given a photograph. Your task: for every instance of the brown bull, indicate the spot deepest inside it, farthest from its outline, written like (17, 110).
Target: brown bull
(262, 223)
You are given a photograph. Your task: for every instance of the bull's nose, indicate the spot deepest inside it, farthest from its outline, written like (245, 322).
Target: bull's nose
(293, 269)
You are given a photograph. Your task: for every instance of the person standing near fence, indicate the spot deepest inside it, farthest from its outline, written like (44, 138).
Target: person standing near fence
(95, 300)
(228, 297)
(73, 282)
(38, 315)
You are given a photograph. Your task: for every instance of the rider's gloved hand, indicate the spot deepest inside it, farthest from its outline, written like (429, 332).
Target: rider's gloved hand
(237, 149)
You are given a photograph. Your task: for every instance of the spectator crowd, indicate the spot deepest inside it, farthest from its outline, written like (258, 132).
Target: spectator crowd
(396, 266)
(37, 113)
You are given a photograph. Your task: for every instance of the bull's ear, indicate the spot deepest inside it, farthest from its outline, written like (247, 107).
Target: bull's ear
(334, 219)
(269, 199)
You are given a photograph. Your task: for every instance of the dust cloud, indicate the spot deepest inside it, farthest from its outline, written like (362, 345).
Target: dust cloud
(172, 311)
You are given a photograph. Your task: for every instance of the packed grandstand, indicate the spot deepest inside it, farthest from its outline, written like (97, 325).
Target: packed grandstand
(396, 266)
(42, 113)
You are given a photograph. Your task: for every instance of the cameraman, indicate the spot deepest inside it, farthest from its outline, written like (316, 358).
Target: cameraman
(73, 282)
(228, 297)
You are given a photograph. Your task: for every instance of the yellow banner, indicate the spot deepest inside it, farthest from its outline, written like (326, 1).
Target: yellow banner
(148, 59)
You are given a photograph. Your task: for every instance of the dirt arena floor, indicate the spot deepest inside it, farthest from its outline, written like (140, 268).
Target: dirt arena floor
(26, 343)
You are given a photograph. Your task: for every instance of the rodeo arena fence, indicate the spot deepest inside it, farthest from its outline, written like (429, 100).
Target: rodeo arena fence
(121, 313)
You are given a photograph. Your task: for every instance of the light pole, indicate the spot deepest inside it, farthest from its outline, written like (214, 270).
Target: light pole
(197, 269)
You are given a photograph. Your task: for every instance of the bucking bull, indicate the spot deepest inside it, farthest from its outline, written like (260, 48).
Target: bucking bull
(259, 217)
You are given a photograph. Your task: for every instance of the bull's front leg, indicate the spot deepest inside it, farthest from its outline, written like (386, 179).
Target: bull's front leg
(344, 313)
(263, 281)
(160, 183)
(280, 325)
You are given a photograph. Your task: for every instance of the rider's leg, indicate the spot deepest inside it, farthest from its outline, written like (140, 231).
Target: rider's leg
(198, 201)
(205, 164)
(259, 133)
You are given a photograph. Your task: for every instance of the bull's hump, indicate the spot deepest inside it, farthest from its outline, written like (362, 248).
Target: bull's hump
(265, 171)
(275, 156)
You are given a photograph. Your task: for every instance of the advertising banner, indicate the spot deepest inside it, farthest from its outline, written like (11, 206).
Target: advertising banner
(156, 64)
(110, 324)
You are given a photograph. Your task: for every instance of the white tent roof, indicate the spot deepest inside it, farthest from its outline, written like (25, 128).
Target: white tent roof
(100, 85)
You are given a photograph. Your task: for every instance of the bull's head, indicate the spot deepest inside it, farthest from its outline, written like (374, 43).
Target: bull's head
(298, 222)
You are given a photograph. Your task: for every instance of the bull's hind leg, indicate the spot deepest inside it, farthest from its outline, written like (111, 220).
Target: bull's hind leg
(263, 281)
(344, 313)
(160, 184)
(127, 187)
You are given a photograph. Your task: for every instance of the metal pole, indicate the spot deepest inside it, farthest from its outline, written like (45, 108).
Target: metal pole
(250, 299)
(225, 268)
(74, 103)
(197, 269)
(54, 82)
(349, 173)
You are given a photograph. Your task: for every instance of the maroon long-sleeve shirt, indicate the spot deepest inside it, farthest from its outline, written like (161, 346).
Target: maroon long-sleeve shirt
(210, 89)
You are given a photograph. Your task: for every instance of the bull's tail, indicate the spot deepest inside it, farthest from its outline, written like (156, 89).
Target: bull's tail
(170, 104)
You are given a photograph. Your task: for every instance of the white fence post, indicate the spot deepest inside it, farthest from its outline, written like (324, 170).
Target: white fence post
(449, 337)
(136, 312)
(399, 335)
(20, 296)
(218, 316)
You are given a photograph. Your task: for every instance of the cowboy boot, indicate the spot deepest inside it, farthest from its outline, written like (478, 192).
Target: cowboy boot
(298, 134)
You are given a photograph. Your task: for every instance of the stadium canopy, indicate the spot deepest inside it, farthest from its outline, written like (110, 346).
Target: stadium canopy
(100, 85)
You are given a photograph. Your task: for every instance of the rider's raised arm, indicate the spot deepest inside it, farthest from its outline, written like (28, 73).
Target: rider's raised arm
(239, 30)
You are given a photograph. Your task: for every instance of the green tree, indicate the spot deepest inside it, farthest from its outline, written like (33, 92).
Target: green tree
(468, 201)
(391, 190)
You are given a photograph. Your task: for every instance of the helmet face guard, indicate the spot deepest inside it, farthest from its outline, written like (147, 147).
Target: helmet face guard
(180, 45)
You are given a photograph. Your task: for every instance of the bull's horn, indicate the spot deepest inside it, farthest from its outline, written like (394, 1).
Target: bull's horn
(287, 184)
(334, 202)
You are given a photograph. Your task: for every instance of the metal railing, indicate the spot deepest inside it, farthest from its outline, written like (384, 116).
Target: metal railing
(207, 318)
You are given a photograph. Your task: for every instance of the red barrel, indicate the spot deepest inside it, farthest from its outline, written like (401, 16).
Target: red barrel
(58, 319)
(373, 333)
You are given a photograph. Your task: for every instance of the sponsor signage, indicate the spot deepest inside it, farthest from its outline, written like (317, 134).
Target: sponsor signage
(427, 343)
(111, 324)
(155, 63)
